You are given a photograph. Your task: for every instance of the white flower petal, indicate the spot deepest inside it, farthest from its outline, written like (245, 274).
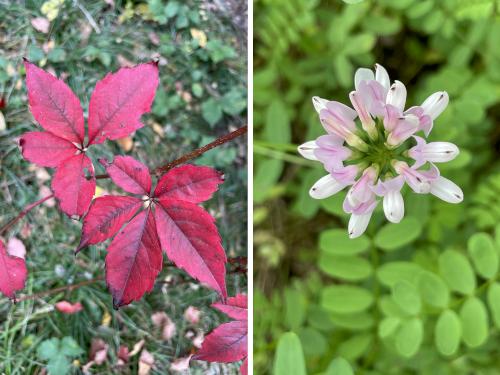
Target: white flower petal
(435, 104)
(307, 150)
(394, 206)
(382, 77)
(319, 103)
(358, 224)
(440, 152)
(325, 187)
(447, 190)
(397, 96)
(363, 74)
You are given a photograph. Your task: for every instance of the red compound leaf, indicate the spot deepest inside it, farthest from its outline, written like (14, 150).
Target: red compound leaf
(13, 272)
(129, 174)
(119, 100)
(45, 149)
(54, 105)
(235, 307)
(189, 183)
(228, 342)
(105, 218)
(74, 185)
(191, 240)
(134, 260)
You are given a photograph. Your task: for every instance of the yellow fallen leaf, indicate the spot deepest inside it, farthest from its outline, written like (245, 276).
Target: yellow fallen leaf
(126, 143)
(200, 36)
(106, 319)
(158, 129)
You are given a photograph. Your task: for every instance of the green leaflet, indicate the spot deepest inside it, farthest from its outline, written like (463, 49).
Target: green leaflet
(407, 298)
(474, 319)
(345, 267)
(339, 366)
(392, 272)
(483, 254)
(457, 272)
(409, 337)
(394, 236)
(433, 289)
(346, 299)
(337, 241)
(493, 298)
(289, 357)
(448, 332)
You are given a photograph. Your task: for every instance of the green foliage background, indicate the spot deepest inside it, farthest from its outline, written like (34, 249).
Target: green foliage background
(202, 95)
(419, 297)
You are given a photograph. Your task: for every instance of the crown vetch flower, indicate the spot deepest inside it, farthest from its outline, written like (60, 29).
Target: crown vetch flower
(374, 149)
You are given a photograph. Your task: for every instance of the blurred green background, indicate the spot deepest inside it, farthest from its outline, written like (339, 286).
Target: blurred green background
(201, 47)
(419, 297)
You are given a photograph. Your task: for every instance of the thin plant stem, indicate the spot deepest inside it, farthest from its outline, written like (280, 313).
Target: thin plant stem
(23, 213)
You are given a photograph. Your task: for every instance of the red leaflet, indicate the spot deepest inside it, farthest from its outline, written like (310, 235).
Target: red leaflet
(190, 238)
(115, 108)
(54, 105)
(12, 272)
(134, 260)
(105, 218)
(184, 230)
(74, 184)
(189, 183)
(228, 342)
(119, 100)
(45, 149)
(129, 174)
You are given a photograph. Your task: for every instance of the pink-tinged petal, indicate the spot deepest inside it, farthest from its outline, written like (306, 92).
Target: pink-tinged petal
(105, 218)
(394, 206)
(361, 191)
(53, 105)
(191, 240)
(13, 272)
(435, 104)
(343, 112)
(325, 187)
(405, 128)
(382, 77)
(360, 208)
(373, 96)
(365, 118)
(190, 183)
(358, 224)
(447, 190)
(392, 184)
(307, 150)
(119, 100)
(74, 185)
(332, 158)
(345, 175)
(226, 343)
(391, 117)
(134, 260)
(319, 103)
(329, 141)
(235, 307)
(435, 152)
(419, 181)
(363, 74)
(45, 149)
(129, 174)
(397, 96)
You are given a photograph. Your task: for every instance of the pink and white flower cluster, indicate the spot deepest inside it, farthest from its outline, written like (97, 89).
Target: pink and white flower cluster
(377, 154)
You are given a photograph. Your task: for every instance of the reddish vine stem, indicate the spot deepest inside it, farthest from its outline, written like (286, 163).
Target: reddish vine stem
(23, 213)
(158, 171)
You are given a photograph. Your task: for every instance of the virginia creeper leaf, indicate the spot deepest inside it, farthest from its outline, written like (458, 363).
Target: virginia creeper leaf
(235, 307)
(190, 238)
(134, 260)
(74, 185)
(45, 149)
(105, 218)
(119, 100)
(129, 174)
(54, 105)
(189, 183)
(13, 272)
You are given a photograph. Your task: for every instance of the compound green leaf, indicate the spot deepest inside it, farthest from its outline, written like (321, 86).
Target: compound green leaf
(337, 241)
(295, 308)
(393, 272)
(448, 332)
(339, 366)
(289, 357)
(345, 267)
(313, 342)
(355, 346)
(346, 299)
(394, 236)
(457, 272)
(354, 322)
(433, 289)
(409, 337)
(388, 326)
(493, 298)
(474, 319)
(482, 251)
(406, 297)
